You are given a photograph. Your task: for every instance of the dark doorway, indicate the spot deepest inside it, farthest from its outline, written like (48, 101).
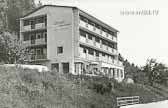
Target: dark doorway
(32, 24)
(55, 67)
(65, 67)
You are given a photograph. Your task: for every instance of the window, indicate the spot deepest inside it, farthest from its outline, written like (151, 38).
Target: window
(103, 54)
(39, 51)
(118, 75)
(122, 74)
(59, 49)
(65, 67)
(90, 37)
(84, 50)
(100, 31)
(106, 34)
(38, 36)
(26, 22)
(40, 20)
(26, 37)
(112, 33)
(97, 40)
(97, 53)
(104, 42)
(55, 67)
(100, 28)
(45, 36)
(91, 52)
(82, 33)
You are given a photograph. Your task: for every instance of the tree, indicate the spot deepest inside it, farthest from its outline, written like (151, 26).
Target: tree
(154, 71)
(161, 73)
(16, 9)
(120, 57)
(39, 3)
(12, 50)
(130, 69)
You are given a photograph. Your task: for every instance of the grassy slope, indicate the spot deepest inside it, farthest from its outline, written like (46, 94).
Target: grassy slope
(30, 89)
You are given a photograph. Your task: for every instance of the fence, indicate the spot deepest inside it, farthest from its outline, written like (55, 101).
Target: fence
(124, 101)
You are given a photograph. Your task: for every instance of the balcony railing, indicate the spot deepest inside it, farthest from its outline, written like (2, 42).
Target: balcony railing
(27, 43)
(83, 55)
(40, 25)
(82, 39)
(99, 58)
(90, 27)
(90, 42)
(120, 63)
(33, 27)
(26, 28)
(98, 45)
(104, 47)
(91, 57)
(35, 42)
(38, 57)
(40, 41)
(97, 31)
(82, 23)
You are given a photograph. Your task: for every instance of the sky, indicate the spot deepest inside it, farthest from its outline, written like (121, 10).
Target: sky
(142, 36)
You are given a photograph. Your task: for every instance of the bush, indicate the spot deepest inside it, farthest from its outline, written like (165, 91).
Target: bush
(21, 88)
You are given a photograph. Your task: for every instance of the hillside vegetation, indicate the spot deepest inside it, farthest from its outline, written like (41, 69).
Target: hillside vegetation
(30, 89)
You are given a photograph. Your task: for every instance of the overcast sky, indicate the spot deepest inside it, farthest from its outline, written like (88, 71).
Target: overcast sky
(141, 36)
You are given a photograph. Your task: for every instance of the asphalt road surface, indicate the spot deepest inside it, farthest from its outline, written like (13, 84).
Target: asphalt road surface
(161, 104)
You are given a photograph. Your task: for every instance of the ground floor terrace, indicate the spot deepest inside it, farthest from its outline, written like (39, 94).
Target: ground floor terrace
(84, 67)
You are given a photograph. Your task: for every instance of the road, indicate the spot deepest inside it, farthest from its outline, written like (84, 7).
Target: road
(161, 104)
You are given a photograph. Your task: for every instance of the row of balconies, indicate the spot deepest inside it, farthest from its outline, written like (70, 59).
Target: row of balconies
(98, 45)
(105, 59)
(33, 27)
(97, 31)
(41, 41)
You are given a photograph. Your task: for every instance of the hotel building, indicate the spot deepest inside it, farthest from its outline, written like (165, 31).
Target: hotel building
(70, 40)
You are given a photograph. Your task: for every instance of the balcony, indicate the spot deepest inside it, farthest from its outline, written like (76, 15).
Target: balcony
(33, 27)
(97, 31)
(39, 57)
(110, 60)
(97, 44)
(27, 43)
(114, 38)
(114, 51)
(26, 28)
(104, 47)
(83, 55)
(103, 58)
(104, 34)
(90, 27)
(40, 26)
(90, 42)
(91, 57)
(40, 41)
(109, 49)
(83, 24)
(35, 42)
(82, 39)
(119, 63)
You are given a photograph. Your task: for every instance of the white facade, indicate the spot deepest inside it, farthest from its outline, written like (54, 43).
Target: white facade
(69, 40)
